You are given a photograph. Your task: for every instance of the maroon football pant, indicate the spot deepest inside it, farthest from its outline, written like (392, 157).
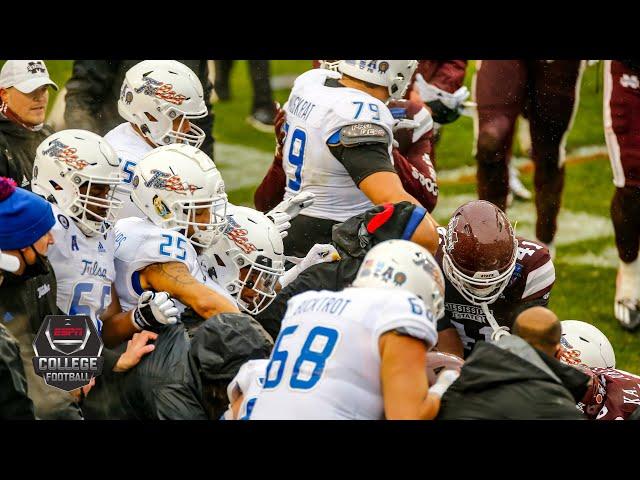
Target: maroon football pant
(621, 114)
(545, 93)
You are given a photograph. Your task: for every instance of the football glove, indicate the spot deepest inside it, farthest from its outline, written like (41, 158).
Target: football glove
(282, 213)
(154, 310)
(319, 253)
(445, 107)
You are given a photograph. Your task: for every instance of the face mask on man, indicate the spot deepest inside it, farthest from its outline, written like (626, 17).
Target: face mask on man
(40, 267)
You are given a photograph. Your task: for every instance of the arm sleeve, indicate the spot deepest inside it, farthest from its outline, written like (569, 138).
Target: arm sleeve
(270, 192)
(87, 89)
(15, 403)
(363, 160)
(449, 75)
(417, 174)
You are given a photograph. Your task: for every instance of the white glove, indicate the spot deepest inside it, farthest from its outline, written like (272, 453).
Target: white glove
(282, 214)
(444, 105)
(154, 310)
(444, 381)
(319, 253)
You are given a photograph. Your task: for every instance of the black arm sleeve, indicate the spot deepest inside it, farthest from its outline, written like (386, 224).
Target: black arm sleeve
(363, 160)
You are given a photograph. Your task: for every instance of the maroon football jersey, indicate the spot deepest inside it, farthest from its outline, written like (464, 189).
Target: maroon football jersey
(614, 394)
(531, 281)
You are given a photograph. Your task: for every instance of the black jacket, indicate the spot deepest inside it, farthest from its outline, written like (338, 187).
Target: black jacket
(511, 380)
(352, 241)
(18, 150)
(163, 386)
(94, 88)
(14, 401)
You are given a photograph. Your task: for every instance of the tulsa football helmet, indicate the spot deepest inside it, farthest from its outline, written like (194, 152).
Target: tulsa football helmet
(69, 166)
(172, 183)
(155, 93)
(480, 251)
(585, 344)
(248, 260)
(405, 265)
(393, 74)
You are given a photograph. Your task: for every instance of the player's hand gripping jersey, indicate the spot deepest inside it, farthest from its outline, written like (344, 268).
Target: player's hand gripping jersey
(140, 243)
(321, 113)
(84, 268)
(326, 361)
(530, 285)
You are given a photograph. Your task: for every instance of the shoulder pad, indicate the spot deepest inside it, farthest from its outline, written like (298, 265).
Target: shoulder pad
(363, 133)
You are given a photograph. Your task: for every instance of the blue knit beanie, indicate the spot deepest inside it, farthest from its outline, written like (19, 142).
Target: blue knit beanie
(24, 216)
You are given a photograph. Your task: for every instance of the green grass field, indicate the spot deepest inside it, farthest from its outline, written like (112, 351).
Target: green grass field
(586, 257)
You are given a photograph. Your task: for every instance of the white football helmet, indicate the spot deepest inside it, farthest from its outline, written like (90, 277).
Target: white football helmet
(73, 159)
(393, 74)
(156, 92)
(250, 240)
(586, 345)
(171, 183)
(406, 265)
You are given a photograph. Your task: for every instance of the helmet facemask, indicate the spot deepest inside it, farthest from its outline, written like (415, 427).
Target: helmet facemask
(107, 206)
(255, 284)
(482, 287)
(203, 233)
(162, 132)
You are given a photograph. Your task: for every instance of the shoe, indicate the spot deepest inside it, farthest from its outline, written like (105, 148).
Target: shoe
(516, 186)
(627, 312)
(263, 119)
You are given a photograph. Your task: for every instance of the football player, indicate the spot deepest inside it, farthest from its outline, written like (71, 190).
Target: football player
(613, 394)
(360, 353)
(248, 261)
(622, 133)
(491, 276)
(546, 92)
(158, 100)
(77, 171)
(181, 193)
(338, 145)
(412, 146)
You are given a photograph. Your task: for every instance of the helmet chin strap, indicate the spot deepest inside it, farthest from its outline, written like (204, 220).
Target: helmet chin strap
(498, 331)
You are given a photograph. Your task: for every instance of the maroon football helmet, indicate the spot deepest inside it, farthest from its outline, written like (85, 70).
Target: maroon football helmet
(480, 251)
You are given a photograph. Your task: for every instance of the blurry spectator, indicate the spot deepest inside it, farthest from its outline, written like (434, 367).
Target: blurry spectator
(262, 110)
(93, 90)
(517, 376)
(24, 95)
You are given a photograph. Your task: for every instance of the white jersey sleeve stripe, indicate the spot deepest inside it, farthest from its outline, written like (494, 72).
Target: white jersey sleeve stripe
(539, 279)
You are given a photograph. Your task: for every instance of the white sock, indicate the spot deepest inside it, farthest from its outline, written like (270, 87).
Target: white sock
(628, 284)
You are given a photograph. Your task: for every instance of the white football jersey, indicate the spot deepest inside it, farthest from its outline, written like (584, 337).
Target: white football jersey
(326, 361)
(130, 148)
(139, 243)
(250, 379)
(315, 113)
(84, 268)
